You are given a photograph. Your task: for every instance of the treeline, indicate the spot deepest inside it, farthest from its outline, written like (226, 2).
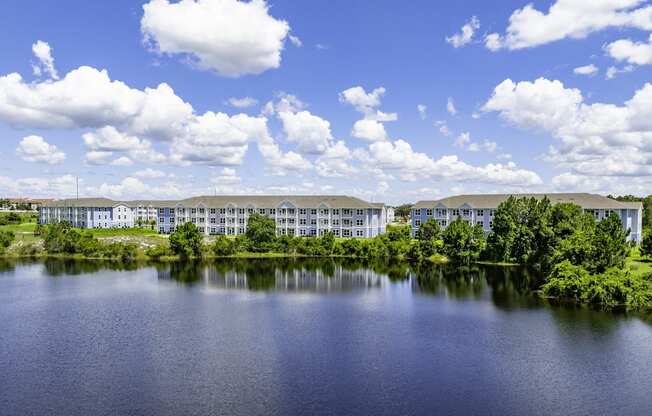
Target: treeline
(63, 239)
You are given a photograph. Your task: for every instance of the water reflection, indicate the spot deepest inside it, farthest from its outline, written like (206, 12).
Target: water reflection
(288, 275)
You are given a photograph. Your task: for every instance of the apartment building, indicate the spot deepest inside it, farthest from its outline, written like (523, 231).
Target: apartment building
(479, 209)
(294, 215)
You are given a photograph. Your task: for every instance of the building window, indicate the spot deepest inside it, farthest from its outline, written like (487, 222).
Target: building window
(291, 211)
(336, 233)
(359, 233)
(417, 223)
(222, 211)
(193, 210)
(455, 212)
(313, 232)
(346, 212)
(429, 212)
(313, 212)
(480, 223)
(346, 233)
(302, 211)
(213, 211)
(161, 220)
(302, 232)
(479, 213)
(302, 221)
(359, 211)
(336, 222)
(417, 212)
(466, 212)
(359, 223)
(250, 210)
(202, 211)
(313, 221)
(272, 211)
(261, 211)
(443, 223)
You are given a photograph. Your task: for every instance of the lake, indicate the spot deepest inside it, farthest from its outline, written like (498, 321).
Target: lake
(302, 337)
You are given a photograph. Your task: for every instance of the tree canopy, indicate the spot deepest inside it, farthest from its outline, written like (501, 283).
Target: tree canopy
(186, 241)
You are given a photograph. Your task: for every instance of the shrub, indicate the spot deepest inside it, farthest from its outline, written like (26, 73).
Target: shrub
(6, 238)
(463, 242)
(158, 251)
(224, 246)
(186, 241)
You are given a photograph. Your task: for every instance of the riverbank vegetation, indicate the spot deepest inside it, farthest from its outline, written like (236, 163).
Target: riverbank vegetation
(583, 260)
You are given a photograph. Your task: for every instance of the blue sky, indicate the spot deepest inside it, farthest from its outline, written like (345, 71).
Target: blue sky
(545, 96)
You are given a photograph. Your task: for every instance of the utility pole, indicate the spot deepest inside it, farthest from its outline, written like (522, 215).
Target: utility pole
(77, 186)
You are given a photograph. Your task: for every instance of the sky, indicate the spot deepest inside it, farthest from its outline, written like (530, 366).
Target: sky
(167, 99)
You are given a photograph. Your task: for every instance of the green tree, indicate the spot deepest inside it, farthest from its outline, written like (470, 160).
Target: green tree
(186, 241)
(327, 243)
(403, 211)
(646, 244)
(610, 243)
(6, 238)
(61, 238)
(429, 231)
(261, 231)
(462, 241)
(223, 246)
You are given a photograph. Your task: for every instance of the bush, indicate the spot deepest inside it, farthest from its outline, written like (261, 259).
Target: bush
(223, 246)
(28, 250)
(158, 251)
(186, 241)
(646, 244)
(6, 238)
(261, 231)
(615, 287)
(61, 238)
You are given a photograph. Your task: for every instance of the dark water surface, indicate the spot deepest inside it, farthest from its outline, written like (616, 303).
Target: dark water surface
(286, 337)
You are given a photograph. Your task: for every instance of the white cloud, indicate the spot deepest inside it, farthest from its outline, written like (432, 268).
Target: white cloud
(285, 103)
(310, 132)
(244, 102)
(131, 187)
(529, 27)
(409, 165)
(296, 41)
(149, 173)
(122, 161)
(463, 139)
(612, 71)
(230, 37)
(466, 34)
(450, 106)
(36, 149)
(227, 176)
(59, 186)
(634, 53)
(43, 53)
(589, 70)
(423, 111)
(596, 139)
(443, 128)
(362, 101)
(370, 130)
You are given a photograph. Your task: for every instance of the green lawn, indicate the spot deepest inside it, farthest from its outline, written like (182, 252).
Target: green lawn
(123, 232)
(24, 232)
(639, 265)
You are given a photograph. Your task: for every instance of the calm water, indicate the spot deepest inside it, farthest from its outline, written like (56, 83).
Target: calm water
(308, 337)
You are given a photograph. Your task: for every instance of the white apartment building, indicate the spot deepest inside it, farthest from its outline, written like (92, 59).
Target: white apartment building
(479, 209)
(294, 215)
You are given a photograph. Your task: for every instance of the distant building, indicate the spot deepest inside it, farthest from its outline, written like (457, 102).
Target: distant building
(479, 209)
(23, 203)
(294, 215)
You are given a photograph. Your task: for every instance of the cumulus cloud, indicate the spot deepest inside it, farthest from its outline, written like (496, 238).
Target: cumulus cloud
(465, 36)
(595, 139)
(231, 37)
(295, 41)
(529, 27)
(149, 173)
(131, 187)
(43, 53)
(226, 176)
(57, 186)
(244, 102)
(310, 132)
(633, 53)
(409, 165)
(589, 70)
(361, 100)
(370, 130)
(36, 149)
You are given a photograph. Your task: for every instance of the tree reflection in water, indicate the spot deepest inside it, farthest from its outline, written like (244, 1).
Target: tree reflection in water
(507, 286)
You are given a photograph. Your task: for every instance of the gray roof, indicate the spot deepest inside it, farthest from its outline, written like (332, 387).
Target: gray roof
(491, 201)
(262, 201)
